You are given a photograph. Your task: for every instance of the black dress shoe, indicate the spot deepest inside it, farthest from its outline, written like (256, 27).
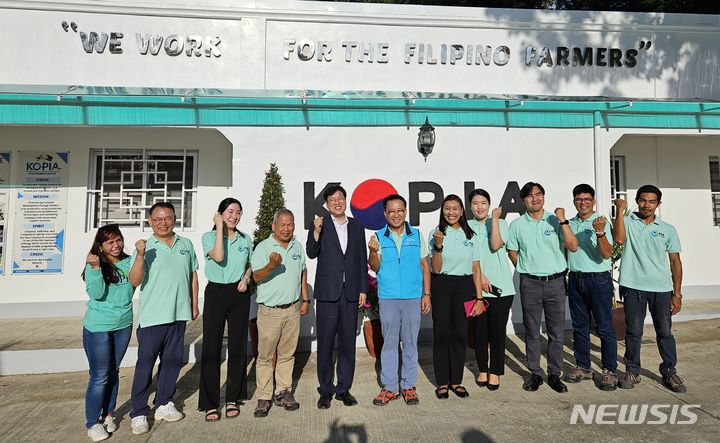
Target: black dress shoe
(482, 384)
(324, 401)
(556, 384)
(492, 387)
(533, 383)
(347, 398)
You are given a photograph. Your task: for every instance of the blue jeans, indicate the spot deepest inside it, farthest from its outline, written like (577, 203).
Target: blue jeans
(400, 321)
(636, 305)
(105, 351)
(591, 294)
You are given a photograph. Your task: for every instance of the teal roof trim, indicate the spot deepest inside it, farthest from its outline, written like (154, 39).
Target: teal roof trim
(211, 111)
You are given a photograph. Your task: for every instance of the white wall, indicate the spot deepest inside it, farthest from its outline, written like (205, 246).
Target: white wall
(214, 183)
(678, 165)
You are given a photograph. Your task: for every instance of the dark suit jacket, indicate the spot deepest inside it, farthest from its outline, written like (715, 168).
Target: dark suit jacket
(332, 263)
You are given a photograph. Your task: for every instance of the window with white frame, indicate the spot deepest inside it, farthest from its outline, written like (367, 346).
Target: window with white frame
(715, 188)
(124, 183)
(618, 186)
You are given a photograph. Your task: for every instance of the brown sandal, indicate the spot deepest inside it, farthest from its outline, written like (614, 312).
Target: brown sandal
(231, 410)
(212, 415)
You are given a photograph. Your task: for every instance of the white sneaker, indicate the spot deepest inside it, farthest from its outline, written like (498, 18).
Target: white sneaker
(139, 425)
(97, 432)
(168, 412)
(110, 424)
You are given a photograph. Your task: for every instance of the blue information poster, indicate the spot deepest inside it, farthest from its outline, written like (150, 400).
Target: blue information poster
(40, 212)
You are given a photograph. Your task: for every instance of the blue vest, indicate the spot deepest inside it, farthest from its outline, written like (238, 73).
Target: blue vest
(399, 277)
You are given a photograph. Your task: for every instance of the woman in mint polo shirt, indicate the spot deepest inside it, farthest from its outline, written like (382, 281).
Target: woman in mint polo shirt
(107, 326)
(497, 287)
(456, 278)
(227, 267)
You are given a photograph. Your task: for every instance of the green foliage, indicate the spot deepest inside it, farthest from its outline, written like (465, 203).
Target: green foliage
(270, 201)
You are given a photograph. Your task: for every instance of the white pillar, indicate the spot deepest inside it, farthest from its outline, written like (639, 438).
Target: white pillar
(602, 168)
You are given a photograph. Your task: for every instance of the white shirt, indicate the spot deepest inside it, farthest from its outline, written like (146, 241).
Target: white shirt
(342, 232)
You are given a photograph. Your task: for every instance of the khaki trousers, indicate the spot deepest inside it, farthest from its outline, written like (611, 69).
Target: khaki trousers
(278, 330)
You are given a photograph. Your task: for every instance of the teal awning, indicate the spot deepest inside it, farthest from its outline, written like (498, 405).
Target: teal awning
(105, 106)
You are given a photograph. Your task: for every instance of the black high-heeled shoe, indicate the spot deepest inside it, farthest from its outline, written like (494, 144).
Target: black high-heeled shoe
(441, 392)
(482, 384)
(492, 387)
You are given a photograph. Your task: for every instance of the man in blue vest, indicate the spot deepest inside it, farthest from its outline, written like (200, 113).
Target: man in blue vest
(398, 254)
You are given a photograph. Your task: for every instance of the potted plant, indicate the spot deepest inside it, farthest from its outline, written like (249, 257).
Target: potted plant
(371, 313)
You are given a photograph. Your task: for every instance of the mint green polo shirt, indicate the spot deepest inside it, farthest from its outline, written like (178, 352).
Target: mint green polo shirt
(165, 292)
(494, 264)
(398, 239)
(282, 285)
(236, 261)
(587, 258)
(539, 244)
(458, 253)
(110, 306)
(645, 265)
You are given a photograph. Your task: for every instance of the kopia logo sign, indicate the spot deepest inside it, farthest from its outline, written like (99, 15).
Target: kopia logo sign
(366, 200)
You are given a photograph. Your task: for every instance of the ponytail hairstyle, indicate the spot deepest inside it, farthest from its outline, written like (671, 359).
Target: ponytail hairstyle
(110, 273)
(443, 224)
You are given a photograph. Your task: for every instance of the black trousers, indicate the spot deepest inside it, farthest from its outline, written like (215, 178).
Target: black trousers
(490, 331)
(336, 319)
(449, 294)
(224, 303)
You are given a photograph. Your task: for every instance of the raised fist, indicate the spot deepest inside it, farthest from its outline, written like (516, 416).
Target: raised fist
(217, 220)
(140, 247)
(439, 237)
(275, 259)
(373, 244)
(318, 222)
(560, 214)
(599, 224)
(620, 205)
(496, 213)
(93, 260)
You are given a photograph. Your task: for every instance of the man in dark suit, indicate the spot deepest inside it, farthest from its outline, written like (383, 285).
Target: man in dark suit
(338, 242)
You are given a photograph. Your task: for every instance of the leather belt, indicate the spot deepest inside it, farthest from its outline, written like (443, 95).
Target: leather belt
(578, 274)
(285, 306)
(545, 277)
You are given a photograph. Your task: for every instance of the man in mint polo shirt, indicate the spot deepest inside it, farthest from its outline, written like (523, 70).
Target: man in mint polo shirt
(398, 255)
(650, 277)
(165, 267)
(590, 290)
(536, 246)
(278, 266)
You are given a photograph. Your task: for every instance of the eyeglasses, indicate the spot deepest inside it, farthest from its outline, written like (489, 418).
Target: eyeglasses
(165, 219)
(336, 200)
(583, 200)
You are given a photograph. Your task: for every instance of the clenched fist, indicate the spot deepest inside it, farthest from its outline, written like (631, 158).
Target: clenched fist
(217, 220)
(275, 260)
(496, 213)
(140, 247)
(439, 237)
(93, 260)
(373, 244)
(599, 224)
(318, 222)
(620, 205)
(560, 214)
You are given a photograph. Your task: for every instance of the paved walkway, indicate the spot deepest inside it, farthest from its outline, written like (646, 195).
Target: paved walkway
(50, 407)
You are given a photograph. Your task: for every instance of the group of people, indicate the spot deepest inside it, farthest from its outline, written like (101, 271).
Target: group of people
(461, 273)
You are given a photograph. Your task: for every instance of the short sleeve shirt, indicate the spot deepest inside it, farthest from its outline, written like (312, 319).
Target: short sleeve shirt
(282, 285)
(494, 264)
(237, 257)
(587, 258)
(644, 264)
(458, 253)
(398, 239)
(539, 245)
(166, 289)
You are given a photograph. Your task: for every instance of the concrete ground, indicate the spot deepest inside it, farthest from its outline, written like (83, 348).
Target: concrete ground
(50, 407)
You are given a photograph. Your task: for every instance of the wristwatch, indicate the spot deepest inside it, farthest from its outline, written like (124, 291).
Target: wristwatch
(436, 249)
(600, 234)
(566, 222)
(306, 301)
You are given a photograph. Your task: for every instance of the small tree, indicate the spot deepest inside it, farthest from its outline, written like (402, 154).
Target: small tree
(270, 201)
